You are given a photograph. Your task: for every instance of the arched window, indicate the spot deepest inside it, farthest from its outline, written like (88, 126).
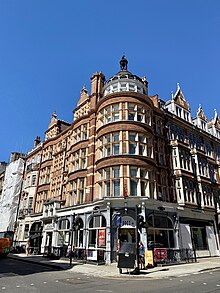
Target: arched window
(160, 232)
(97, 228)
(79, 233)
(63, 232)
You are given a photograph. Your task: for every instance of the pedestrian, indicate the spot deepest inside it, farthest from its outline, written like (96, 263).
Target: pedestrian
(69, 251)
(141, 255)
(28, 247)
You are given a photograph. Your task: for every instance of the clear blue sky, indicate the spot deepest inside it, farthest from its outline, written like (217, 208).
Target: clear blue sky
(49, 49)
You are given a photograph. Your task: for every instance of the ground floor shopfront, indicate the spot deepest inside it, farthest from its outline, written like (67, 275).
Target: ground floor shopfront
(97, 231)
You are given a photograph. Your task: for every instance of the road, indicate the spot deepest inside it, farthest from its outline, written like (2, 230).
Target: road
(17, 276)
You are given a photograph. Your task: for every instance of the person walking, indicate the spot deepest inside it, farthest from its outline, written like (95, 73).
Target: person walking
(28, 247)
(141, 255)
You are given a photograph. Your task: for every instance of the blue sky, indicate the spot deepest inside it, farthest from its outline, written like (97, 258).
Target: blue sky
(49, 49)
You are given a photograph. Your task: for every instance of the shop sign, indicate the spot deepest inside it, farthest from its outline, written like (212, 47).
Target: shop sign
(101, 237)
(48, 227)
(128, 222)
(149, 261)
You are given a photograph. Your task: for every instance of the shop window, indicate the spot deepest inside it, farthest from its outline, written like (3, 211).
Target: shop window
(95, 224)
(199, 236)
(79, 233)
(160, 232)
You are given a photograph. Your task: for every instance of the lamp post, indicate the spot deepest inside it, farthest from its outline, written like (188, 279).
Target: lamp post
(73, 222)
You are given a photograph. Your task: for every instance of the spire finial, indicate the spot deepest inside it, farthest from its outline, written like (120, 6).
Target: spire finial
(123, 63)
(54, 115)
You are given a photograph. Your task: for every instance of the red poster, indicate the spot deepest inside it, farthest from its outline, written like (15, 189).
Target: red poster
(101, 237)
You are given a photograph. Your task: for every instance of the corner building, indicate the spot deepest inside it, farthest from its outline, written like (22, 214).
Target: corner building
(113, 162)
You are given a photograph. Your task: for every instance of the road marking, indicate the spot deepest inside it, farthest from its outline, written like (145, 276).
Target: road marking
(104, 290)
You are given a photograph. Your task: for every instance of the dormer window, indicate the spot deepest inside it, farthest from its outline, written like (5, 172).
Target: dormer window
(178, 111)
(203, 125)
(186, 115)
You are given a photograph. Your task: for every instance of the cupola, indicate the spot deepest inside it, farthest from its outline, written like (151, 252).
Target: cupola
(125, 81)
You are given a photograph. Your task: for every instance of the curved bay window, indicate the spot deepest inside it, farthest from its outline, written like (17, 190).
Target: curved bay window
(136, 112)
(125, 111)
(142, 182)
(139, 144)
(63, 232)
(110, 114)
(160, 232)
(97, 230)
(109, 145)
(110, 180)
(134, 143)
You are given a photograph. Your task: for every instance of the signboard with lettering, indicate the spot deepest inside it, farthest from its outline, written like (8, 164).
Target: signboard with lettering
(149, 261)
(128, 222)
(48, 226)
(101, 237)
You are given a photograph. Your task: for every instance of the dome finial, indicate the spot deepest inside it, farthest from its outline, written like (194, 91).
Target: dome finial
(123, 63)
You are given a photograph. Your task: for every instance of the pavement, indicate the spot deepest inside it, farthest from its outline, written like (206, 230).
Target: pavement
(111, 271)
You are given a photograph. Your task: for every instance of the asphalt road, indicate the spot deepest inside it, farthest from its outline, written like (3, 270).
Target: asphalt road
(17, 276)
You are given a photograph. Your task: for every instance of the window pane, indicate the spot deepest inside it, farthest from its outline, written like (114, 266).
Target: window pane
(133, 188)
(143, 188)
(132, 137)
(115, 107)
(107, 173)
(141, 149)
(132, 149)
(115, 117)
(116, 172)
(108, 150)
(116, 187)
(130, 116)
(116, 137)
(116, 149)
(133, 172)
(107, 188)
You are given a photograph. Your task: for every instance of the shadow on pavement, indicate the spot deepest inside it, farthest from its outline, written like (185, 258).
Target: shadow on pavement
(10, 267)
